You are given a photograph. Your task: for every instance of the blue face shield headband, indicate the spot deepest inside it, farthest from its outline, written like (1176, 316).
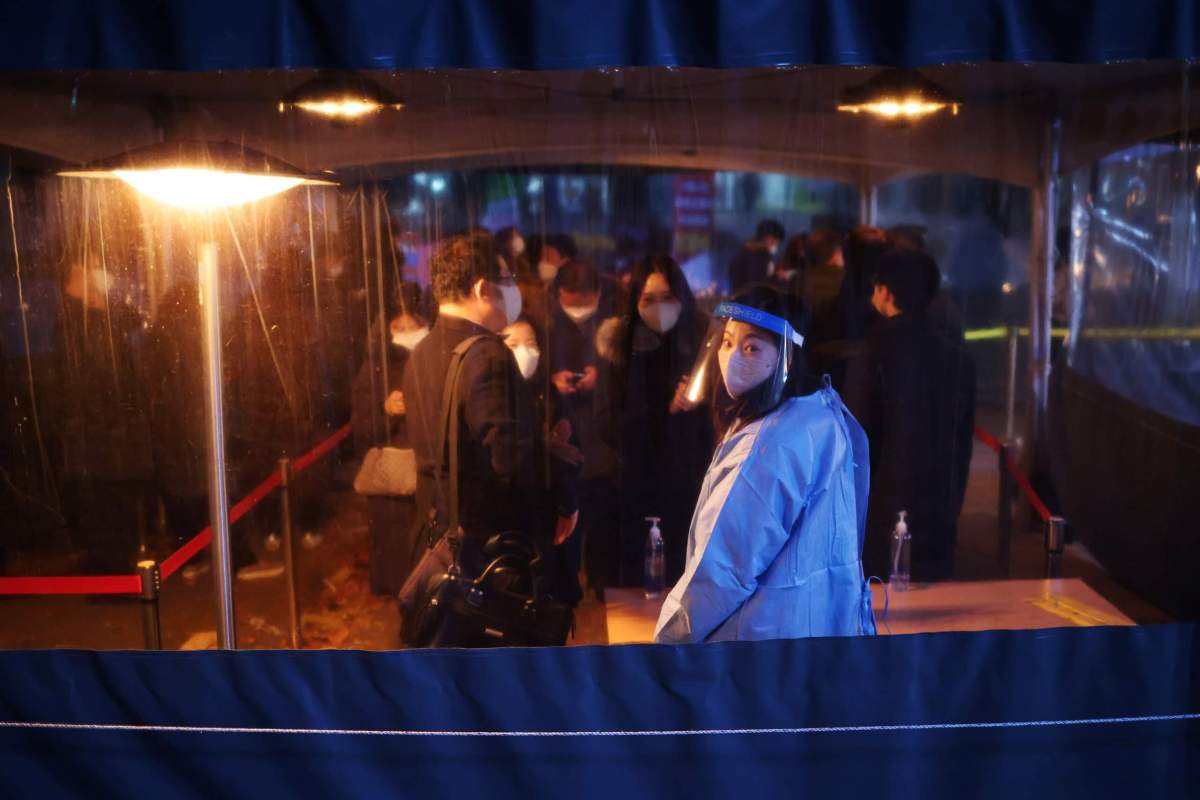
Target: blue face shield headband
(760, 319)
(705, 371)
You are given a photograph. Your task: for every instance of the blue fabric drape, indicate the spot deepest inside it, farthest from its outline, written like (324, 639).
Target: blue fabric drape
(579, 34)
(947, 678)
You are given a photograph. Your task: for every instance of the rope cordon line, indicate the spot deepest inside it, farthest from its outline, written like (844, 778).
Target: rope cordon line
(929, 726)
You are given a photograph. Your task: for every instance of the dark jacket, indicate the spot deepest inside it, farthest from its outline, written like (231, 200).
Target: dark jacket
(98, 406)
(913, 390)
(370, 424)
(662, 456)
(753, 264)
(497, 476)
(573, 348)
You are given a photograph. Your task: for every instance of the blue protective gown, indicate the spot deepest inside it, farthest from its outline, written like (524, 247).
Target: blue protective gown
(775, 545)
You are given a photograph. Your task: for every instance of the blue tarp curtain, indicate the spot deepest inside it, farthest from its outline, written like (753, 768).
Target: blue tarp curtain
(582, 34)
(948, 678)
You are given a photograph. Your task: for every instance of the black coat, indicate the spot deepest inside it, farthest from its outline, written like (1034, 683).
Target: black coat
(98, 408)
(497, 477)
(662, 456)
(370, 424)
(913, 390)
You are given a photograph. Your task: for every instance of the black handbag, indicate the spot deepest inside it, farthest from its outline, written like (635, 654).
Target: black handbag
(506, 605)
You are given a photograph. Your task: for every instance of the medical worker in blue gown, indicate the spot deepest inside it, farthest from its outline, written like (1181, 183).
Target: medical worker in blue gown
(775, 545)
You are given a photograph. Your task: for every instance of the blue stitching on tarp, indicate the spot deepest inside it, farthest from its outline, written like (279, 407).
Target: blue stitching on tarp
(931, 726)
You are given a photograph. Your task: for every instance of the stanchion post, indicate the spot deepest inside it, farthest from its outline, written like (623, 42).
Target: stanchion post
(289, 558)
(148, 597)
(1010, 399)
(1004, 510)
(1056, 532)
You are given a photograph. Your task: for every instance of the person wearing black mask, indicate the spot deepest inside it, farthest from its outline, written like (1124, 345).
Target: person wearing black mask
(663, 440)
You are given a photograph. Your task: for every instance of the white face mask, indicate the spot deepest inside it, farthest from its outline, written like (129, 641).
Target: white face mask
(773, 249)
(661, 317)
(408, 339)
(742, 372)
(547, 271)
(527, 359)
(102, 281)
(512, 303)
(580, 314)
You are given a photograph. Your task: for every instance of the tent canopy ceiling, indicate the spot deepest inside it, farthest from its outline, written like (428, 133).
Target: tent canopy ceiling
(768, 120)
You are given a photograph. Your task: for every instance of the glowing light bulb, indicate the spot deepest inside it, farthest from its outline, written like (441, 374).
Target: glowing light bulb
(341, 108)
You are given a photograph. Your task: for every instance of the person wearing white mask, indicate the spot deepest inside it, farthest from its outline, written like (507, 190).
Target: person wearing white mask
(477, 298)
(556, 250)
(661, 440)
(584, 299)
(775, 543)
(378, 419)
(559, 473)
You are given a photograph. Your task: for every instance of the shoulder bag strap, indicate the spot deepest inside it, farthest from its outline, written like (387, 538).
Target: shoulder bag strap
(449, 434)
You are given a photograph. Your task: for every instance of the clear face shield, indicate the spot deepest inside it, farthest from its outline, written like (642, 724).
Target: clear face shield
(746, 348)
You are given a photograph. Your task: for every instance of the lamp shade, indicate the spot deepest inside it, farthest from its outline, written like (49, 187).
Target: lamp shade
(343, 97)
(199, 175)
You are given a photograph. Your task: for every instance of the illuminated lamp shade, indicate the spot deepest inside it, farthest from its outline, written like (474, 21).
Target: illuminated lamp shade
(343, 98)
(198, 176)
(898, 97)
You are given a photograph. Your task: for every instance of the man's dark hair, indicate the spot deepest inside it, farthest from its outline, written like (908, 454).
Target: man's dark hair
(461, 261)
(911, 276)
(578, 277)
(822, 244)
(769, 227)
(564, 244)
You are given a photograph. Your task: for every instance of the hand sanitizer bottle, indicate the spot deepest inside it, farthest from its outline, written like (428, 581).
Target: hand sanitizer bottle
(654, 560)
(898, 580)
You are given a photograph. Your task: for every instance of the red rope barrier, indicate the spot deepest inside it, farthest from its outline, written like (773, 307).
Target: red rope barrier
(73, 584)
(1018, 475)
(132, 584)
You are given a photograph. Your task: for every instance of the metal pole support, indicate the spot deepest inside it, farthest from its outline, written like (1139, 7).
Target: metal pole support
(289, 558)
(1010, 399)
(1004, 511)
(151, 584)
(1056, 536)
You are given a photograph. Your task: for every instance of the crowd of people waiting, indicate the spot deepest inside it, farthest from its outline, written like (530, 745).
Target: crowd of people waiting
(579, 424)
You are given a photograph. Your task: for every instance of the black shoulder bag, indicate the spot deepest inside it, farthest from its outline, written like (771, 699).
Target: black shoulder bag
(506, 605)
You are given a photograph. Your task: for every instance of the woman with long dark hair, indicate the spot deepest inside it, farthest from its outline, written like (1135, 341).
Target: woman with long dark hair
(663, 440)
(775, 543)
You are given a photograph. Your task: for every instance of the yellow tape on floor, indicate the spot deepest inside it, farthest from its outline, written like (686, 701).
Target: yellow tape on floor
(1074, 611)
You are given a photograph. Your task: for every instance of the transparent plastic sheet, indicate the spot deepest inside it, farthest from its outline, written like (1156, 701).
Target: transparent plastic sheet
(628, 163)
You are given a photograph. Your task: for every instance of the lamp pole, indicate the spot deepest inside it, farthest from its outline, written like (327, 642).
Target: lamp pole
(218, 495)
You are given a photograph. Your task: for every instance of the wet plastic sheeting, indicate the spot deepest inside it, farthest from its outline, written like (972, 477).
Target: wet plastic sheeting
(101, 368)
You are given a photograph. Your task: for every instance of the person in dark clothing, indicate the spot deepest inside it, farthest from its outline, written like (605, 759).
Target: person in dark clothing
(755, 263)
(476, 296)
(377, 419)
(840, 326)
(557, 457)
(584, 300)
(825, 267)
(97, 411)
(914, 393)
(664, 442)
